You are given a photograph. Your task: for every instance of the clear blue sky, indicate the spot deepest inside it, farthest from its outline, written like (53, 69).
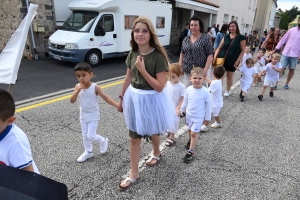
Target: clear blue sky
(287, 4)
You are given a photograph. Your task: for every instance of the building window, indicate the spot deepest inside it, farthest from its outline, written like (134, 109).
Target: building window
(226, 18)
(250, 2)
(232, 18)
(129, 19)
(160, 22)
(237, 19)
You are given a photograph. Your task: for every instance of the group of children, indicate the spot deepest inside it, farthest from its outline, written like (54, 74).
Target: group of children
(150, 106)
(252, 69)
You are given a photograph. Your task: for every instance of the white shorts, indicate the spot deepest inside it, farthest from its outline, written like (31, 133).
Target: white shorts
(216, 111)
(269, 83)
(194, 124)
(245, 86)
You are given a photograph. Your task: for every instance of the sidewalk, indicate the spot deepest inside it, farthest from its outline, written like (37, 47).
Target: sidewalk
(253, 156)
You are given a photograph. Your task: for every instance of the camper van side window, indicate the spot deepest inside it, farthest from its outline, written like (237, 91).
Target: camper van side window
(129, 19)
(160, 22)
(107, 22)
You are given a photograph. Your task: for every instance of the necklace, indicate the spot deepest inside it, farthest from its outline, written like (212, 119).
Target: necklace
(148, 51)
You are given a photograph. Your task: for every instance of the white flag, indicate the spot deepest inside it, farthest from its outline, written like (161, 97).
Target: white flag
(10, 58)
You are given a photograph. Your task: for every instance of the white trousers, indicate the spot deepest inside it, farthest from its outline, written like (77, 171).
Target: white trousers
(89, 134)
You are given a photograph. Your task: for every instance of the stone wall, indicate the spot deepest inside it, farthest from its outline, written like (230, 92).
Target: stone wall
(12, 14)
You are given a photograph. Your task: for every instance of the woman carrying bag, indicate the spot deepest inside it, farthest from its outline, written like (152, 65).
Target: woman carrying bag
(234, 45)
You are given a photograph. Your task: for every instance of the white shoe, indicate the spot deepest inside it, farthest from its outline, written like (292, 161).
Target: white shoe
(104, 146)
(227, 93)
(85, 156)
(216, 125)
(204, 128)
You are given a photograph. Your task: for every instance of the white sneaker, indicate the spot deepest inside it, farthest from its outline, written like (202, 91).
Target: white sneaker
(85, 156)
(227, 93)
(104, 146)
(216, 125)
(204, 128)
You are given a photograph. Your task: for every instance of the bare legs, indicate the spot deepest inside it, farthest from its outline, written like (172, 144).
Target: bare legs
(289, 76)
(229, 80)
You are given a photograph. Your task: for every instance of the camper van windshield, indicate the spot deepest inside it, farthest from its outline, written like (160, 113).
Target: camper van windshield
(80, 21)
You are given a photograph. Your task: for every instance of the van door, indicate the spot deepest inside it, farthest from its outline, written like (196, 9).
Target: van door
(108, 42)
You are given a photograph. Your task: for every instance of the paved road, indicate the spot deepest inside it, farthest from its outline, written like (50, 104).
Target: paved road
(255, 155)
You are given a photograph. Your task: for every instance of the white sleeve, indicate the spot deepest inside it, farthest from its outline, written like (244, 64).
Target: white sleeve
(208, 107)
(184, 103)
(182, 90)
(213, 87)
(20, 154)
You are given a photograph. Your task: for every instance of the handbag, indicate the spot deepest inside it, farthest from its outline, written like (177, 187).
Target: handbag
(221, 61)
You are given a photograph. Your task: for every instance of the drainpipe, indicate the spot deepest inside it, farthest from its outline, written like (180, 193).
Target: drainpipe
(32, 38)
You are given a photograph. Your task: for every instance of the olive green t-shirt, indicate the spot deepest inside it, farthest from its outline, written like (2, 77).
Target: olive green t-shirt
(154, 63)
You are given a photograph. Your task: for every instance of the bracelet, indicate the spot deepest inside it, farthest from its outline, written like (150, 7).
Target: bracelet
(120, 97)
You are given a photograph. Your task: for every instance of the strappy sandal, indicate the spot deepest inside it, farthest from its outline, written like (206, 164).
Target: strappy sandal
(132, 181)
(151, 158)
(170, 142)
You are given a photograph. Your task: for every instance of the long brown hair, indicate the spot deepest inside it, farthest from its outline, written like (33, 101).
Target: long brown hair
(154, 42)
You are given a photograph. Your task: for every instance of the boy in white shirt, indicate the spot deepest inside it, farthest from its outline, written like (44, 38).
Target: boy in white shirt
(197, 104)
(259, 65)
(216, 95)
(14, 145)
(246, 55)
(272, 71)
(87, 93)
(247, 72)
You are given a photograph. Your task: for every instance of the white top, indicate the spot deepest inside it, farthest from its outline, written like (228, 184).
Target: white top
(197, 103)
(216, 93)
(271, 74)
(213, 32)
(247, 74)
(260, 64)
(176, 91)
(245, 57)
(89, 107)
(15, 149)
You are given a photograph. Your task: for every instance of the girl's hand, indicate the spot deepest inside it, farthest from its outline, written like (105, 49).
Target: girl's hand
(139, 63)
(178, 112)
(120, 108)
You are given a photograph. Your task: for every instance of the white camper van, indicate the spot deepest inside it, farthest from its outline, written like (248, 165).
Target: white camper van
(99, 29)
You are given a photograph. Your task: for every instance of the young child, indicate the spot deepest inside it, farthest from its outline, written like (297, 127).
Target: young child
(176, 91)
(89, 109)
(216, 95)
(148, 109)
(246, 55)
(247, 72)
(259, 65)
(14, 145)
(272, 70)
(197, 104)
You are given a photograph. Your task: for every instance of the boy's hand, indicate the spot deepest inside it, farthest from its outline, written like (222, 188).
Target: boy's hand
(80, 87)
(178, 112)
(139, 63)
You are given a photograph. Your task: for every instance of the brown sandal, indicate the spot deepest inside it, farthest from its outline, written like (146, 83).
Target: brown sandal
(170, 142)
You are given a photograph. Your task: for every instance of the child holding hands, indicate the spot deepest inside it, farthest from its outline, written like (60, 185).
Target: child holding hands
(272, 71)
(87, 93)
(176, 91)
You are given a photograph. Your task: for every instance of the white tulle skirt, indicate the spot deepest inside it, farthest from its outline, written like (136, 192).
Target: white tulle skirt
(148, 112)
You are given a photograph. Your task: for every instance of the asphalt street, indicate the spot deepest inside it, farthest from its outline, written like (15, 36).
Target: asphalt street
(255, 155)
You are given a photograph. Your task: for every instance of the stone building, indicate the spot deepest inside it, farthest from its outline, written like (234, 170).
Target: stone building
(13, 12)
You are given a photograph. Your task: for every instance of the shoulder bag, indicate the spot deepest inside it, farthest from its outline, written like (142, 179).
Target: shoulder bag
(221, 61)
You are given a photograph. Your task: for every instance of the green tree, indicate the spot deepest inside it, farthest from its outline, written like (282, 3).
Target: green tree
(287, 16)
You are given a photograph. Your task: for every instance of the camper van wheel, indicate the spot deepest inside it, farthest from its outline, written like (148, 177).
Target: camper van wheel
(93, 57)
